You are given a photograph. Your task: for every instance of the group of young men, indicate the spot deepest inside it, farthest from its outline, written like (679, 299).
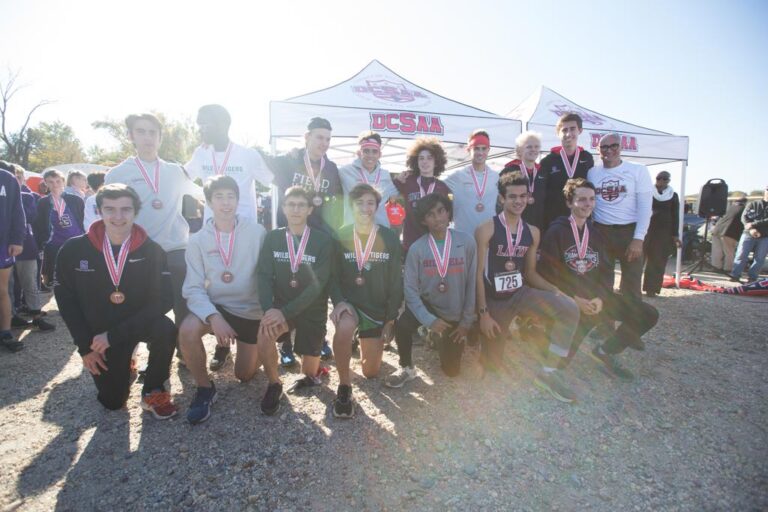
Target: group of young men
(479, 248)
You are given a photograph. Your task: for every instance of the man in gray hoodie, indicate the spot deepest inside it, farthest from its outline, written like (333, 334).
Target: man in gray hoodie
(439, 284)
(220, 289)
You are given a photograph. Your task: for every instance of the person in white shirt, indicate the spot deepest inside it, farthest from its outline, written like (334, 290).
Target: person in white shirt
(367, 169)
(161, 186)
(91, 215)
(624, 194)
(474, 186)
(218, 155)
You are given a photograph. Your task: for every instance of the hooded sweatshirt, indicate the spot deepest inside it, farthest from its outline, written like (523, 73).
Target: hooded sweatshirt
(204, 288)
(550, 180)
(82, 288)
(352, 174)
(14, 223)
(560, 263)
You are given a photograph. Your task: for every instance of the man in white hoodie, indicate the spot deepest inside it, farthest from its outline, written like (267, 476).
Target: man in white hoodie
(221, 293)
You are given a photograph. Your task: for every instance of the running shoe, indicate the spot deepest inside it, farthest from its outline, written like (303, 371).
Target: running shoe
(42, 325)
(553, 383)
(270, 404)
(326, 354)
(158, 402)
(10, 343)
(400, 376)
(287, 359)
(303, 384)
(220, 357)
(344, 404)
(635, 343)
(18, 323)
(611, 365)
(200, 408)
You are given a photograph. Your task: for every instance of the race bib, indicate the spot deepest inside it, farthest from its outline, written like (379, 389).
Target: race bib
(508, 282)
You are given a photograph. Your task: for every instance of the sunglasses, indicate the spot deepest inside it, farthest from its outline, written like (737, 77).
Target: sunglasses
(663, 179)
(612, 147)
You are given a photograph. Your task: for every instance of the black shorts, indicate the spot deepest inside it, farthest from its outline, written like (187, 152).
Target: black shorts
(247, 330)
(309, 337)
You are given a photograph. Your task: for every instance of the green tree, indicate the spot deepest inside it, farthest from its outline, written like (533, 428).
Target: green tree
(757, 192)
(179, 140)
(53, 144)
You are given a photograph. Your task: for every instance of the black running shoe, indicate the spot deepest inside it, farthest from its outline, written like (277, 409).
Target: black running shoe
(553, 383)
(18, 323)
(344, 404)
(270, 404)
(43, 325)
(326, 354)
(303, 384)
(612, 366)
(220, 357)
(10, 343)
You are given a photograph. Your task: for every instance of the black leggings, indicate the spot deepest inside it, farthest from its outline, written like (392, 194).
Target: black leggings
(113, 385)
(450, 352)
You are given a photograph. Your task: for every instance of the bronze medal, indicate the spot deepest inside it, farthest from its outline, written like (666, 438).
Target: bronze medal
(442, 287)
(360, 280)
(117, 297)
(509, 265)
(479, 207)
(294, 282)
(317, 200)
(227, 276)
(157, 204)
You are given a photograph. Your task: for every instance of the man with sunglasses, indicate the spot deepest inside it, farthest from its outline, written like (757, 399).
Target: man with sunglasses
(622, 211)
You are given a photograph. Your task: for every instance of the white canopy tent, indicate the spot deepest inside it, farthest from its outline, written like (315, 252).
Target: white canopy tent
(379, 99)
(541, 110)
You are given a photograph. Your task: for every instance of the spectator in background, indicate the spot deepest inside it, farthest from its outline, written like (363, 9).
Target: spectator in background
(91, 215)
(77, 183)
(661, 239)
(12, 229)
(726, 234)
(396, 215)
(754, 237)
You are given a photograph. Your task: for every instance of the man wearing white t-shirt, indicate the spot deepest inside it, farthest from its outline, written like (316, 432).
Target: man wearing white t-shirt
(161, 186)
(624, 195)
(367, 169)
(218, 155)
(474, 186)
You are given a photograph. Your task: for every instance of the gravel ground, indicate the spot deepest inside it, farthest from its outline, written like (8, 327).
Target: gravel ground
(688, 434)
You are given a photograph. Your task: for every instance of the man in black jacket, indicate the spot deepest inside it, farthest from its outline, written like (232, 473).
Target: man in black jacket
(726, 234)
(113, 290)
(754, 238)
(573, 258)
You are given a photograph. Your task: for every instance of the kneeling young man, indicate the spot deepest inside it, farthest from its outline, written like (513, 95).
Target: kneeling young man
(220, 288)
(508, 285)
(366, 290)
(292, 275)
(573, 257)
(439, 289)
(113, 290)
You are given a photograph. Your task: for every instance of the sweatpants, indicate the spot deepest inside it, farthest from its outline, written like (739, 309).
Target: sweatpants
(177, 266)
(450, 352)
(636, 317)
(618, 238)
(559, 311)
(113, 385)
(27, 279)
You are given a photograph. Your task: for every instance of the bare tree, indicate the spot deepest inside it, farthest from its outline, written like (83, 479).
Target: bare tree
(19, 143)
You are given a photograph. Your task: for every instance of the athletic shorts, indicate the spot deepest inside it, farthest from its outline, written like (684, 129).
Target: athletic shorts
(6, 261)
(309, 337)
(367, 327)
(247, 330)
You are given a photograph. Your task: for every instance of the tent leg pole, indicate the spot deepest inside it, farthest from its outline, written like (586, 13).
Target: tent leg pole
(273, 187)
(681, 214)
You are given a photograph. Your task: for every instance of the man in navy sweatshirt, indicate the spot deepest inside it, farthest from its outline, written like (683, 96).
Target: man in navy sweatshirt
(12, 229)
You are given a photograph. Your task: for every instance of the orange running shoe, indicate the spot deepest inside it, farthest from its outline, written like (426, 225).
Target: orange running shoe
(159, 403)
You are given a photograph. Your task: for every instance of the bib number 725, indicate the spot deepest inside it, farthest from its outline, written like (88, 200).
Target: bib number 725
(507, 282)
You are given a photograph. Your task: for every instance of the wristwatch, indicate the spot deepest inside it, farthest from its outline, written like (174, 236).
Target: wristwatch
(483, 310)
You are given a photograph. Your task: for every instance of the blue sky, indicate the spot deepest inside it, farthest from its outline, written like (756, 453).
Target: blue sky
(688, 68)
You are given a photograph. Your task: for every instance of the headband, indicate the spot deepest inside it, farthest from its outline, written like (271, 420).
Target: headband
(368, 143)
(479, 140)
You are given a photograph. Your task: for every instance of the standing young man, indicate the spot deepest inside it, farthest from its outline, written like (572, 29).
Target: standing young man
(113, 291)
(474, 187)
(310, 168)
(12, 230)
(508, 285)
(219, 156)
(367, 169)
(95, 182)
(573, 256)
(59, 218)
(292, 275)
(439, 284)
(220, 289)
(622, 212)
(564, 162)
(161, 186)
(366, 290)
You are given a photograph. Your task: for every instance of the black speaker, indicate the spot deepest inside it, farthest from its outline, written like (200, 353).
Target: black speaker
(713, 199)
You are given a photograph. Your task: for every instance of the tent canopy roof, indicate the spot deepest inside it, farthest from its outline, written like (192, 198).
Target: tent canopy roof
(379, 99)
(541, 110)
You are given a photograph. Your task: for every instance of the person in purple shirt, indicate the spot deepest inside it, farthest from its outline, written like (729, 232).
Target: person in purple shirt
(12, 228)
(59, 218)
